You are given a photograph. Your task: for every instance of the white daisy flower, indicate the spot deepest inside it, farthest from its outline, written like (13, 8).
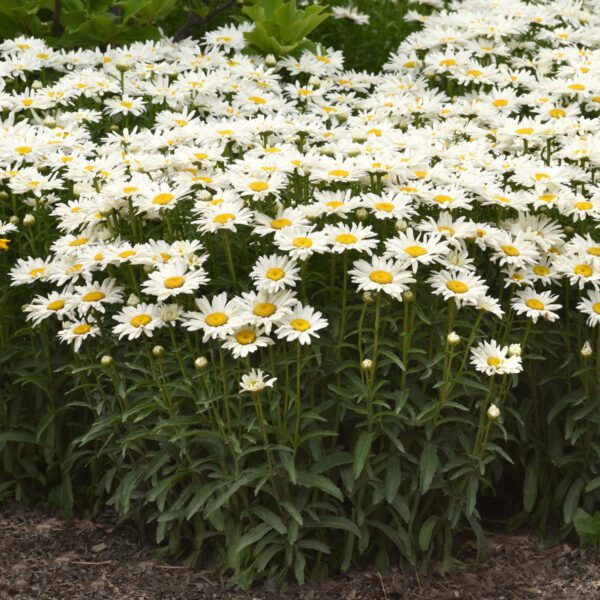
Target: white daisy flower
(301, 324)
(273, 273)
(172, 279)
(380, 275)
(536, 304)
(137, 320)
(492, 359)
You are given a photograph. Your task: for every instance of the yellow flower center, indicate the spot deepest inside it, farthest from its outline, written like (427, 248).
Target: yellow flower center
(540, 176)
(257, 100)
(524, 130)
(541, 270)
(79, 242)
(494, 361)
(129, 189)
(126, 104)
(415, 251)
(583, 270)
(596, 308)
(280, 223)
(346, 238)
(55, 305)
(557, 113)
(264, 309)
(334, 204)
(442, 198)
(384, 206)
(245, 337)
(302, 242)
(475, 73)
(172, 283)
(583, 205)
(223, 218)
(447, 62)
(162, 199)
(140, 320)
(339, 173)
(500, 102)
(381, 277)
(375, 132)
(510, 250)
(22, 150)
(594, 251)
(258, 186)
(534, 304)
(458, 287)
(446, 229)
(82, 329)
(93, 297)
(275, 273)
(577, 87)
(300, 324)
(127, 253)
(216, 319)
(200, 155)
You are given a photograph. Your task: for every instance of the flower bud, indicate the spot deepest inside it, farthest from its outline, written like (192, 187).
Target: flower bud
(148, 268)
(366, 364)
(14, 220)
(368, 298)
(106, 360)
(133, 300)
(514, 350)
(78, 189)
(37, 85)
(158, 351)
(453, 339)
(50, 122)
(586, 350)
(362, 214)
(493, 412)
(204, 195)
(408, 296)
(401, 225)
(569, 230)
(201, 363)
(122, 67)
(3, 196)
(29, 220)
(270, 60)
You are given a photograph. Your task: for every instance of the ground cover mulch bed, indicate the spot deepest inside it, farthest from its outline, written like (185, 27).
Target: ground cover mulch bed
(43, 556)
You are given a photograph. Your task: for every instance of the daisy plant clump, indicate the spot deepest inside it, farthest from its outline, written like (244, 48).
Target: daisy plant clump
(293, 317)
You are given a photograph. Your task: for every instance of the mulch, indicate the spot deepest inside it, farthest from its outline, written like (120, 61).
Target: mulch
(46, 557)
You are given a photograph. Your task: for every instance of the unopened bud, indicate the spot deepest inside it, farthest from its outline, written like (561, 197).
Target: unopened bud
(401, 225)
(493, 412)
(158, 351)
(366, 364)
(133, 300)
(586, 350)
(37, 85)
(204, 195)
(362, 214)
(3, 196)
(569, 230)
(14, 220)
(29, 220)
(408, 296)
(270, 60)
(122, 67)
(453, 339)
(514, 350)
(201, 363)
(50, 122)
(106, 360)
(368, 298)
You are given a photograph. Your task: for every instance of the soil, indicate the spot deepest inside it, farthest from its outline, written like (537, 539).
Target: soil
(43, 557)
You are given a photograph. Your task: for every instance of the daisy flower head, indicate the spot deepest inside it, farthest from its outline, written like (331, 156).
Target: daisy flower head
(581, 270)
(245, 340)
(536, 304)
(393, 205)
(590, 306)
(493, 359)
(274, 273)
(225, 215)
(301, 324)
(351, 237)
(265, 309)
(256, 381)
(172, 279)
(75, 332)
(412, 250)
(216, 317)
(463, 287)
(134, 321)
(94, 296)
(54, 304)
(285, 218)
(513, 250)
(381, 275)
(301, 242)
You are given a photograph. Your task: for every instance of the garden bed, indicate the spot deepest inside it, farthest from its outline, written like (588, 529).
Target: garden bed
(43, 556)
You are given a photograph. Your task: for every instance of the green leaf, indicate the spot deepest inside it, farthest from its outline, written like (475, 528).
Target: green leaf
(426, 532)
(427, 467)
(312, 480)
(270, 518)
(253, 536)
(361, 452)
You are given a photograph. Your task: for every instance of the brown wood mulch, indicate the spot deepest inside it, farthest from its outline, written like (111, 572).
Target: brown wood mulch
(43, 556)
